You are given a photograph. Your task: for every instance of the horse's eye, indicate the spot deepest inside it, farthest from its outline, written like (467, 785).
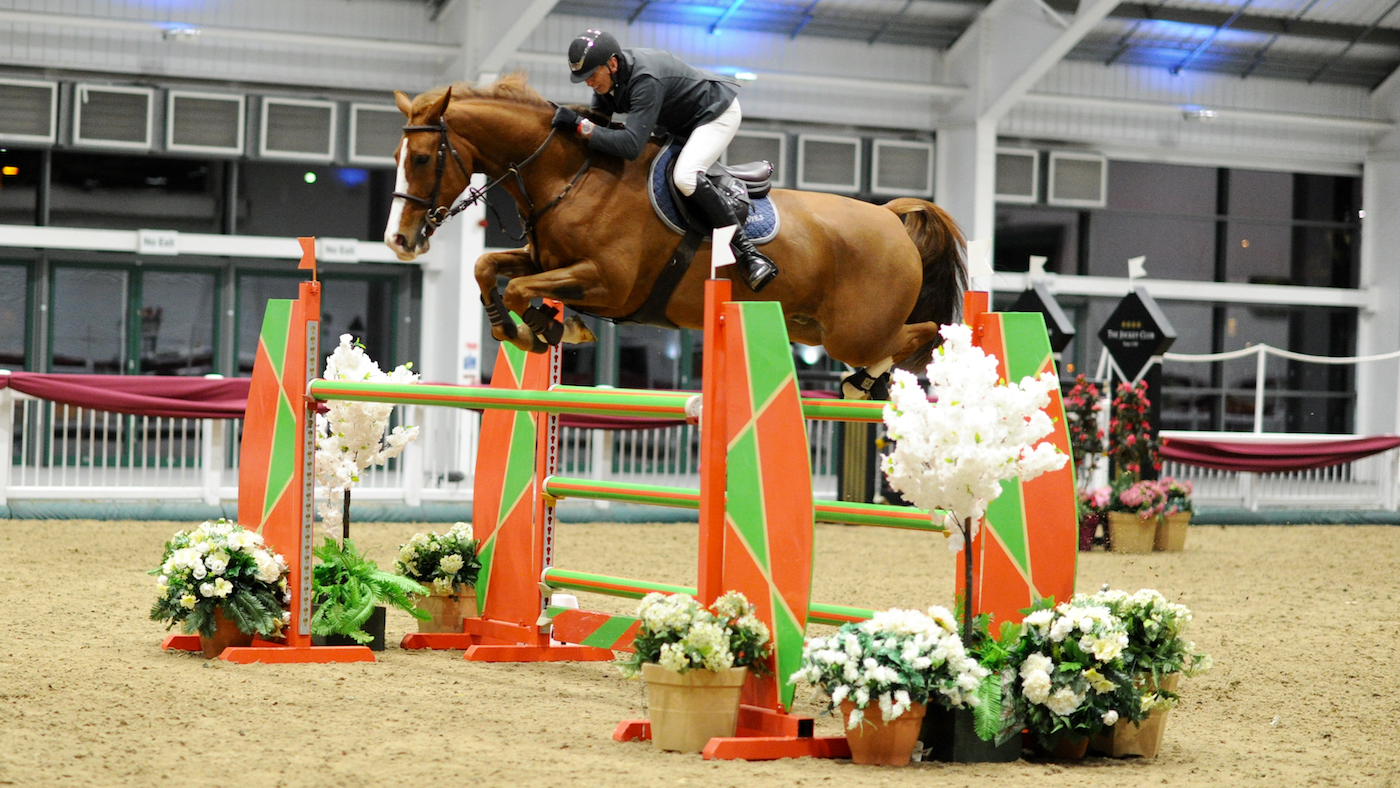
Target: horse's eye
(421, 160)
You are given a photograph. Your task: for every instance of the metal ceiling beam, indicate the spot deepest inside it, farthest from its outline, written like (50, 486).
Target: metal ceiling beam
(890, 20)
(728, 12)
(1201, 47)
(1259, 56)
(1250, 23)
(1219, 114)
(510, 39)
(346, 43)
(1359, 38)
(806, 18)
(642, 6)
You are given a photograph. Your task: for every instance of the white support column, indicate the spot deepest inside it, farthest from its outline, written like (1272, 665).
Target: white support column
(7, 438)
(492, 31)
(1378, 327)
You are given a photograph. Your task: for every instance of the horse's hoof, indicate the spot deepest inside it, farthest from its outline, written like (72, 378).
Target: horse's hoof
(576, 332)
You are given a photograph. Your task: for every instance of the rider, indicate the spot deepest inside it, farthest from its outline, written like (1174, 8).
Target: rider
(655, 88)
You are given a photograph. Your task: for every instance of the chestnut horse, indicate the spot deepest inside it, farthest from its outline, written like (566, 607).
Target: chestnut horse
(868, 283)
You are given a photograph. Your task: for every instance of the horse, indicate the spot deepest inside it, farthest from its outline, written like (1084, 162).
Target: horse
(870, 284)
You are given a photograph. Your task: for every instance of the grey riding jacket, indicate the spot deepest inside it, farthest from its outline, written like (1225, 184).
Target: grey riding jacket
(657, 90)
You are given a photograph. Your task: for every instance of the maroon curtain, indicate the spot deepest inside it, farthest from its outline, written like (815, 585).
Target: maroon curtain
(1273, 457)
(223, 398)
(138, 395)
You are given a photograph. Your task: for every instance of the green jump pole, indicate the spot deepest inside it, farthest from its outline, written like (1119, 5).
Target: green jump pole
(627, 588)
(840, 512)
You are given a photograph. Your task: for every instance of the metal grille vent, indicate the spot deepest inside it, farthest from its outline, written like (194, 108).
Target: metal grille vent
(293, 129)
(374, 133)
(750, 146)
(1078, 179)
(112, 117)
(828, 163)
(204, 123)
(29, 111)
(901, 168)
(1018, 175)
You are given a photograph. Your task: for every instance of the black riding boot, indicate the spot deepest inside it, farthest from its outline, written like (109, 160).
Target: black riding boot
(756, 268)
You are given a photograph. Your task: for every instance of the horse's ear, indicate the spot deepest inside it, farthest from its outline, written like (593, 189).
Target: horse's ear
(440, 106)
(405, 103)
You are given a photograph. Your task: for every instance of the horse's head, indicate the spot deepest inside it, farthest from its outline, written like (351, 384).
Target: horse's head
(431, 174)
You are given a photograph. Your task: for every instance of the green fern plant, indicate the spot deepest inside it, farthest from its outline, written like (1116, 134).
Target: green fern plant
(994, 718)
(346, 587)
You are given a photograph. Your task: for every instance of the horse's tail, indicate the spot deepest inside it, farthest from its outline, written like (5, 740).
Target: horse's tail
(942, 249)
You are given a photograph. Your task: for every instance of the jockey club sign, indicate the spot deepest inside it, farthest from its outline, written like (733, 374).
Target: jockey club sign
(1136, 332)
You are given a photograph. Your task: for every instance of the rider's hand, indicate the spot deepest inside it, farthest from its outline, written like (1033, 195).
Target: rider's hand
(565, 119)
(585, 128)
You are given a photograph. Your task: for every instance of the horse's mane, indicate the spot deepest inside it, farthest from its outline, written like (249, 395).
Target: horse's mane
(512, 87)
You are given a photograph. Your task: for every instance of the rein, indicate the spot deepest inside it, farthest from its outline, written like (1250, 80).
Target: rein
(437, 214)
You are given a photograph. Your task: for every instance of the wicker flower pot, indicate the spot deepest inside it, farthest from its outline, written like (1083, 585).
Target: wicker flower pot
(226, 634)
(1171, 532)
(1128, 533)
(688, 709)
(447, 610)
(1143, 739)
(875, 742)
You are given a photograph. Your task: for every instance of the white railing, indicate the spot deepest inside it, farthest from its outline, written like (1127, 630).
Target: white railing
(63, 452)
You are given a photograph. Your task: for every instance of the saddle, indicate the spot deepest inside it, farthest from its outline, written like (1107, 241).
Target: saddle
(746, 186)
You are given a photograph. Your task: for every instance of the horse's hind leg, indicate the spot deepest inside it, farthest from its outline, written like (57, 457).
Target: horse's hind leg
(872, 381)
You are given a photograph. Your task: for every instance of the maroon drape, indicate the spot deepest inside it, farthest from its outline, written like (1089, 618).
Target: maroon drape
(1273, 457)
(138, 395)
(223, 398)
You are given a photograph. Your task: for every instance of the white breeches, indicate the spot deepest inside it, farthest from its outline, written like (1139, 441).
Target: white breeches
(704, 147)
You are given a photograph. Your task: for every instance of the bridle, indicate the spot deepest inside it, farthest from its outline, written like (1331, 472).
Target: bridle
(437, 214)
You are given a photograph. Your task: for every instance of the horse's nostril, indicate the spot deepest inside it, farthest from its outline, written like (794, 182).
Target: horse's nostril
(400, 241)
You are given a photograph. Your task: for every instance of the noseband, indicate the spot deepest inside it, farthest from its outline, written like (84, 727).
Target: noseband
(437, 214)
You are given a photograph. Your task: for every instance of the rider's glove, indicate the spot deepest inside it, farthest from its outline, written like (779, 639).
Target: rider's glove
(565, 119)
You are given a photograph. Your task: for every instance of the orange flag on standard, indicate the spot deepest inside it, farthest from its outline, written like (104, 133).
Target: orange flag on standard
(308, 255)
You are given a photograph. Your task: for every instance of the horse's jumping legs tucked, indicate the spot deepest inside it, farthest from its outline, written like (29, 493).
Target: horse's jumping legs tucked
(544, 329)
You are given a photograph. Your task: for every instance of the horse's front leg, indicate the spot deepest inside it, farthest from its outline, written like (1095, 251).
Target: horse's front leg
(514, 263)
(579, 282)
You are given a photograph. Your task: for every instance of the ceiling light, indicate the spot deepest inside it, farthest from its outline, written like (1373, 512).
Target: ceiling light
(1197, 113)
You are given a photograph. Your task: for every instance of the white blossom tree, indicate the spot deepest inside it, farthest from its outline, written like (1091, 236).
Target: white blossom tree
(955, 443)
(350, 436)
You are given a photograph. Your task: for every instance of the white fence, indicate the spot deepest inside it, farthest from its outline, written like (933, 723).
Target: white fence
(62, 452)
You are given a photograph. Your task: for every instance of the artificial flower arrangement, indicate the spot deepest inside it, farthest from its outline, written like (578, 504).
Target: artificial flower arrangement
(1157, 646)
(1092, 510)
(1073, 675)
(956, 442)
(1082, 405)
(1147, 499)
(679, 634)
(896, 659)
(441, 561)
(1131, 445)
(350, 436)
(218, 566)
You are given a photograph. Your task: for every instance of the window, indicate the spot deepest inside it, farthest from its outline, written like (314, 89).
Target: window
(136, 192)
(769, 146)
(19, 185)
(297, 129)
(177, 327)
(1052, 233)
(292, 200)
(14, 315)
(648, 357)
(204, 123)
(88, 314)
(828, 163)
(112, 117)
(361, 306)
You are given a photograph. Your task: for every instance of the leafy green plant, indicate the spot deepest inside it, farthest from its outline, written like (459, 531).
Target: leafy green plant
(443, 561)
(994, 717)
(218, 565)
(1157, 646)
(346, 587)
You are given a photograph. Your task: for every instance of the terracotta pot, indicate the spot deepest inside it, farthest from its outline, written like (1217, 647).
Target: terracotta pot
(447, 610)
(1143, 739)
(1128, 533)
(1171, 532)
(688, 709)
(875, 742)
(226, 633)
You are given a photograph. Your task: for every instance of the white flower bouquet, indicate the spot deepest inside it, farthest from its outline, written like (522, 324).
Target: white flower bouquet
(442, 561)
(1074, 680)
(1156, 644)
(218, 565)
(350, 436)
(896, 659)
(678, 634)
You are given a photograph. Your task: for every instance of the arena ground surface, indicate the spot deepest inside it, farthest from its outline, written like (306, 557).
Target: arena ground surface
(1302, 622)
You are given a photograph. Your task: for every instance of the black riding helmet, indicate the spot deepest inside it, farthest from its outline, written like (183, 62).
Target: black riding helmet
(591, 49)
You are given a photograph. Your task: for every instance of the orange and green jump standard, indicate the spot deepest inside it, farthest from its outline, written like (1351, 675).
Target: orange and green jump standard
(755, 503)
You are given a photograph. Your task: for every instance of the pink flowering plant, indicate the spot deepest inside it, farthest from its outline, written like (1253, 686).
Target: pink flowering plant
(1131, 445)
(1146, 499)
(1178, 495)
(1086, 439)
